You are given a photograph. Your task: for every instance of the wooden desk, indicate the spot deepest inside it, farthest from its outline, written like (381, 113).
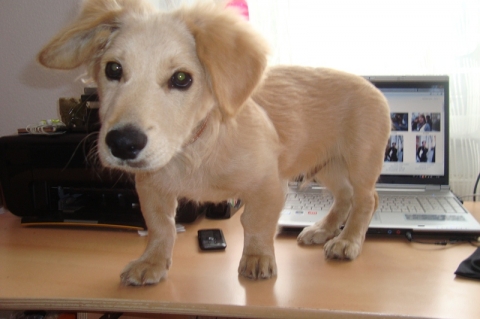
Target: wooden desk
(78, 269)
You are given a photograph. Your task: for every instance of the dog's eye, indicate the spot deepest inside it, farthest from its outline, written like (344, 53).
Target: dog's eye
(113, 71)
(181, 80)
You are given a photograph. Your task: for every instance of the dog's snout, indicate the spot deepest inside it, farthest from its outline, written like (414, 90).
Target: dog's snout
(126, 142)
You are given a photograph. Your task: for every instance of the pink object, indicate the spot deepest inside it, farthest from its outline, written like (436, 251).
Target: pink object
(242, 7)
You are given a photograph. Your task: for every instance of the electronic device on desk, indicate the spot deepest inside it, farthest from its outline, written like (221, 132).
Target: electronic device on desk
(58, 180)
(51, 181)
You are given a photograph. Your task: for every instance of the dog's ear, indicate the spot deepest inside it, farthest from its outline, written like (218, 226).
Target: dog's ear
(232, 53)
(79, 42)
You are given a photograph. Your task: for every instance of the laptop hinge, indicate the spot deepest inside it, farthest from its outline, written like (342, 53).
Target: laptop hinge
(445, 187)
(433, 187)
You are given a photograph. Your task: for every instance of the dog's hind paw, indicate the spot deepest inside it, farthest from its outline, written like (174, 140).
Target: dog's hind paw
(138, 273)
(338, 248)
(257, 266)
(316, 235)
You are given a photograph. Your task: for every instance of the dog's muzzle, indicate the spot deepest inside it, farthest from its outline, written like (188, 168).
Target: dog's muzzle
(126, 143)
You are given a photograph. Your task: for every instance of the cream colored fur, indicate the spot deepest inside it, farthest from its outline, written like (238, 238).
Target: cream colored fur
(263, 126)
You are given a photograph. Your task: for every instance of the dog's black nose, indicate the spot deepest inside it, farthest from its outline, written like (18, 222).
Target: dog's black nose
(126, 142)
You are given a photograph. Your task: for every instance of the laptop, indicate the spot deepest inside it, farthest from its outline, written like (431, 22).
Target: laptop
(414, 194)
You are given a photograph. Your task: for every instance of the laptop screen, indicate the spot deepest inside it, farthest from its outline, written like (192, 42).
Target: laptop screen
(417, 150)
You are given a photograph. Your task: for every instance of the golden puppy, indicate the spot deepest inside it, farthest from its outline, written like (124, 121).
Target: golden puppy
(188, 106)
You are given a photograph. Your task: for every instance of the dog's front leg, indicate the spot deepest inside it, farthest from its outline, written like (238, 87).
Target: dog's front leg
(159, 212)
(259, 222)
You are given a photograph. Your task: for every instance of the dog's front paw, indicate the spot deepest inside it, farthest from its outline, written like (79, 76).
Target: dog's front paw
(257, 266)
(316, 235)
(338, 248)
(141, 272)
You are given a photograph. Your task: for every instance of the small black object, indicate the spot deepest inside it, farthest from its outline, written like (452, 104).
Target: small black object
(188, 211)
(223, 210)
(111, 315)
(470, 267)
(211, 239)
(32, 314)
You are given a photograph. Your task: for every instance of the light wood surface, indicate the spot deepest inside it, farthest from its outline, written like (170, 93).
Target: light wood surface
(78, 269)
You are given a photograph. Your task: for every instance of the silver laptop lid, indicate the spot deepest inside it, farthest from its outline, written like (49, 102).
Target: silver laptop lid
(417, 152)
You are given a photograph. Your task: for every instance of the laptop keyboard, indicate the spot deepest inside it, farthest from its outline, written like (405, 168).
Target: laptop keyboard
(322, 201)
(408, 204)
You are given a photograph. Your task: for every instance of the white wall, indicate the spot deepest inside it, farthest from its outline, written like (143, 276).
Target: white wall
(29, 92)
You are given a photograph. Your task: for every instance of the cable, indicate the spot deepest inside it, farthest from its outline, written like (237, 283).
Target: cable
(47, 127)
(410, 238)
(450, 241)
(475, 188)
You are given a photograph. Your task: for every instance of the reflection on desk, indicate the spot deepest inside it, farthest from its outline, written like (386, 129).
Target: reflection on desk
(78, 269)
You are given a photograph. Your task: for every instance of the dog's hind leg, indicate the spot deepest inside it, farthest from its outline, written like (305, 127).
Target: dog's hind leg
(335, 177)
(348, 244)
(259, 220)
(364, 200)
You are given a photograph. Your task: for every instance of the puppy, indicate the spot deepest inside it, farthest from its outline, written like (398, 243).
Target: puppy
(188, 106)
